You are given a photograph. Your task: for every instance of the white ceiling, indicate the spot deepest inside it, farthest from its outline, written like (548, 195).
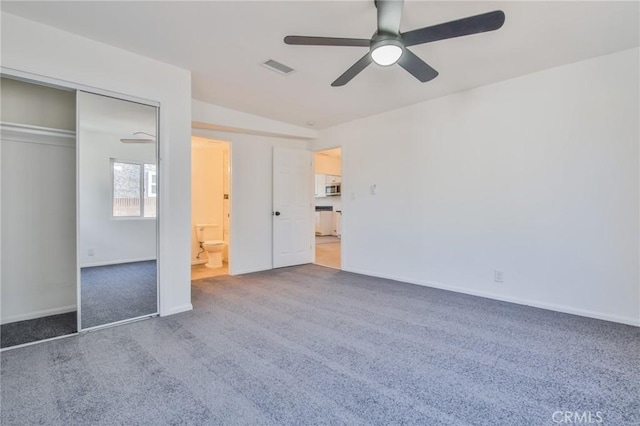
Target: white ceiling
(224, 42)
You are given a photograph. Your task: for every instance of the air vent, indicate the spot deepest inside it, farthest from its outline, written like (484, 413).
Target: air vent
(278, 67)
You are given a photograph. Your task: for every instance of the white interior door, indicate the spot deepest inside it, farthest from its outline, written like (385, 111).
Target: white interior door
(293, 214)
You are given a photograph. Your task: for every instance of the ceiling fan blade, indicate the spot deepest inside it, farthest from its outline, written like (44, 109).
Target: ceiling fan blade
(472, 25)
(134, 140)
(416, 66)
(327, 41)
(353, 71)
(389, 16)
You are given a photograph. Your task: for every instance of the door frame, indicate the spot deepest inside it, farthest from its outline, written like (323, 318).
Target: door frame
(229, 146)
(342, 194)
(43, 80)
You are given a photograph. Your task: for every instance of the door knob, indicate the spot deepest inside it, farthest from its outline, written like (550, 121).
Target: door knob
(277, 213)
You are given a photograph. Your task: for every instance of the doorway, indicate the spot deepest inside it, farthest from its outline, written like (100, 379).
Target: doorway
(328, 215)
(210, 207)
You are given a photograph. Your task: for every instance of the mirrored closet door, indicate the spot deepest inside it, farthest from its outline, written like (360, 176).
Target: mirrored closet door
(117, 210)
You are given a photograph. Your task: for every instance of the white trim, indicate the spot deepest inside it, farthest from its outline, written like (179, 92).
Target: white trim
(67, 85)
(39, 314)
(122, 322)
(198, 262)
(178, 309)
(327, 266)
(117, 262)
(542, 305)
(26, 133)
(78, 275)
(75, 333)
(251, 270)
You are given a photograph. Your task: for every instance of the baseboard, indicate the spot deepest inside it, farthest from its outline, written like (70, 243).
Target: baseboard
(39, 314)
(533, 303)
(198, 262)
(177, 310)
(117, 262)
(250, 270)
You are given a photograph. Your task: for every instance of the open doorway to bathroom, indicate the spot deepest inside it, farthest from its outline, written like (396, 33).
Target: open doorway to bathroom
(328, 227)
(210, 207)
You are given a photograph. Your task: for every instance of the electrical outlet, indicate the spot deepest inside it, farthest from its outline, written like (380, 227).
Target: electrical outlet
(498, 276)
(90, 252)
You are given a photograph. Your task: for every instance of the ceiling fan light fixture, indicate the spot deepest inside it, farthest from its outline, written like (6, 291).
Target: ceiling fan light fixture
(386, 52)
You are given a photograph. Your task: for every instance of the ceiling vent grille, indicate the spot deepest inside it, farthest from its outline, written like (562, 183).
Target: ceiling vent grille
(278, 67)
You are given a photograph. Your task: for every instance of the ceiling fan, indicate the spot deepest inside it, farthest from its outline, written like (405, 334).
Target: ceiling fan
(389, 46)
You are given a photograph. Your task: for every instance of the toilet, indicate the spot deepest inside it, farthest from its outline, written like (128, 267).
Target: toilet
(205, 233)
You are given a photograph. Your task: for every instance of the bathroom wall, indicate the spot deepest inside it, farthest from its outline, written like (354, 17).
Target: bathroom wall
(207, 189)
(226, 202)
(38, 207)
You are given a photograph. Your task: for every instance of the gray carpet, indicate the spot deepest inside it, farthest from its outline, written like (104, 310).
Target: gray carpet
(118, 292)
(20, 332)
(312, 345)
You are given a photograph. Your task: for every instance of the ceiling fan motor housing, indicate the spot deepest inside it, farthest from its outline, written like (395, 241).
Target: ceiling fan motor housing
(381, 42)
(379, 39)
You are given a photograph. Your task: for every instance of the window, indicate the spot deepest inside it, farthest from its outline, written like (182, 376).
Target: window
(150, 190)
(135, 189)
(151, 180)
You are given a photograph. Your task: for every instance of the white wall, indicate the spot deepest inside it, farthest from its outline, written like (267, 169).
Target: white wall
(251, 200)
(43, 52)
(327, 165)
(38, 201)
(207, 191)
(213, 117)
(112, 240)
(102, 122)
(334, 201)
(535, 176)
(38, 224)
(36, 105)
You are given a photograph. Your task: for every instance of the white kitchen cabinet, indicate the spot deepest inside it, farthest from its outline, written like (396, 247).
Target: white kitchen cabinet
(324, 223)
(333, 179)
(321, 185)
(337, 223)
(318, 231)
